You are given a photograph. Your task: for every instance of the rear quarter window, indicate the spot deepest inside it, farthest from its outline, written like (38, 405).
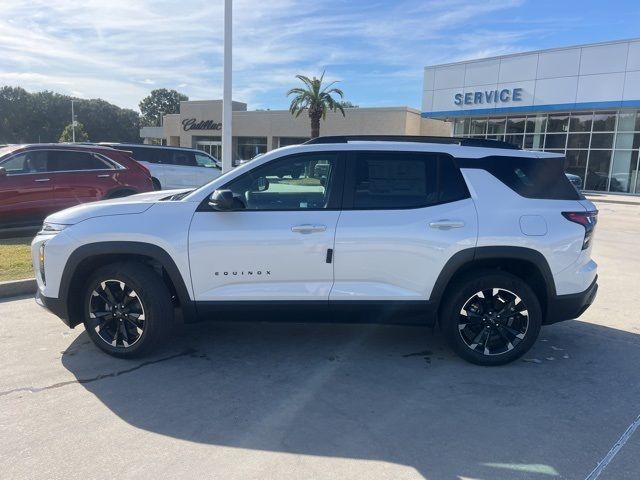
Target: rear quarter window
(541, 178)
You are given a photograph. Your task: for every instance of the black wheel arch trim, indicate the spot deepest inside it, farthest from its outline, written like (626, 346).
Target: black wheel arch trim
(467, 257)
(143, 249)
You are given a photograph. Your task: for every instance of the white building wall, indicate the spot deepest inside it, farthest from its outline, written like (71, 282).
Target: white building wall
(603, 75)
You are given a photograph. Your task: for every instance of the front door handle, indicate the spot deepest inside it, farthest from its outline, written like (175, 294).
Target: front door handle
(308, 228)
(41, 179)
(446, 224)
(104, 175)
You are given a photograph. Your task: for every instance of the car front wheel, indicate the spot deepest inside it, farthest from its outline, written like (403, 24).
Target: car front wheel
(127, 309)
(491, 318)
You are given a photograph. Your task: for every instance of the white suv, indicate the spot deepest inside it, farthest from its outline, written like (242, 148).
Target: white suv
(173, 167)
(489, 240)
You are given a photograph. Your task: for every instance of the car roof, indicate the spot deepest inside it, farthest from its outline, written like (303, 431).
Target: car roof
(144, 145)
(60, 146)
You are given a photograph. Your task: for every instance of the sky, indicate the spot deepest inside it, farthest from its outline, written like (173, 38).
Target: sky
(120, 50)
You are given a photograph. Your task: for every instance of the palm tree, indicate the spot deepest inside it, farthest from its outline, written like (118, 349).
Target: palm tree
(317, 99)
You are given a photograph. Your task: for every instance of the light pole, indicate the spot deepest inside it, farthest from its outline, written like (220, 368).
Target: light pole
(73, 124)
(227, 117)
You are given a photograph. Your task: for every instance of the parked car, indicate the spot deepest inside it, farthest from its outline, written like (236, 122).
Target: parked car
(575, 180)
(490, 241)
(174, 167)
(39, 179)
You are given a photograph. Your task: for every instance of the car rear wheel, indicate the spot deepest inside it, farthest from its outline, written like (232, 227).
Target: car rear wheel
(127, 309)
(156, 184)
(491, 318)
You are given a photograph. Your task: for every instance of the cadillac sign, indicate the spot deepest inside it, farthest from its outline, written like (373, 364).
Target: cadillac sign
(193, 124)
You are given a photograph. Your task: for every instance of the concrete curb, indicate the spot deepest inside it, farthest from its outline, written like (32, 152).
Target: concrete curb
(16, 288)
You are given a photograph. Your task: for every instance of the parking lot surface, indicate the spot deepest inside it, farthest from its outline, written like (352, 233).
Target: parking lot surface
(304, 400)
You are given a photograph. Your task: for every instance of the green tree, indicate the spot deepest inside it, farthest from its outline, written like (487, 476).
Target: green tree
(158, 103)
(40, 117)
(67, 133)
(315, 98)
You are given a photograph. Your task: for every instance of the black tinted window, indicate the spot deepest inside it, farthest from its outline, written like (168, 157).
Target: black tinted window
(144, 154)
(182, 157)
(542, 178)
(388, 180)
(65, 160)
(451, 184)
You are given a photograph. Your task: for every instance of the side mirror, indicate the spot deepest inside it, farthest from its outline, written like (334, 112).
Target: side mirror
(3, 172)
(224, 201)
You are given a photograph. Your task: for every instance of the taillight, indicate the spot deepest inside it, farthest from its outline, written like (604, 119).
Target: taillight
(588, 220)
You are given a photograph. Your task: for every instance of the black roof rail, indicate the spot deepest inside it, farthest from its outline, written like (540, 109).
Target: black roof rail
(464, 142)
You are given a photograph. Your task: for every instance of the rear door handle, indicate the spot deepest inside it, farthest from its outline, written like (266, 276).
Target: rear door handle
(446, 224)
(308, 228)
(104, 175)
(41, 179)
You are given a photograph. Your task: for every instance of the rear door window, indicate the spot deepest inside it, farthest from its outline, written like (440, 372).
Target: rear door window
(67, 160)
(400, 180)
(144, 154)
(183, 158)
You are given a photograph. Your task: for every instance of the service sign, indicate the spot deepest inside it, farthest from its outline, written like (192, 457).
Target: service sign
(488, 97)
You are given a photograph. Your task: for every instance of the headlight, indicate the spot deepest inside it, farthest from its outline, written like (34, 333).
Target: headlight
(51, 228)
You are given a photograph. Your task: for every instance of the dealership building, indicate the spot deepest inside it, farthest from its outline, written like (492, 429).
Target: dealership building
(582, 102)
(198, 125)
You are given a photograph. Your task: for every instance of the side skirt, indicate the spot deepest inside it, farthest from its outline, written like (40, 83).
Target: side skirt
(349, 311)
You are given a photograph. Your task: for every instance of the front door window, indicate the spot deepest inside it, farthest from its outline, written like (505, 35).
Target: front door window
(299, 182)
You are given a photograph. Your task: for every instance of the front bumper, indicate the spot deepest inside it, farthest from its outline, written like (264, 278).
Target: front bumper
(567, 307)
(55, 305)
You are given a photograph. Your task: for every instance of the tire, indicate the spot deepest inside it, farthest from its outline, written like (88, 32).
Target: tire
(142, 313)
(156, 184)
(487, 331)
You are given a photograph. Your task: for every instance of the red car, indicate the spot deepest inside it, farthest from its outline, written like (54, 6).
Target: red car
(39, 179)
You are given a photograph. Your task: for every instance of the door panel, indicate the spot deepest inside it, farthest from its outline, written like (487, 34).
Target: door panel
(255, 255)
(275, 249)
(80, 177)
(180, 169)
(406, 214)
(26, 192)
(397, 254)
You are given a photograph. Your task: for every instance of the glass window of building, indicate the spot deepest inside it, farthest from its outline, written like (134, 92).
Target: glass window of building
(576, 163)
(581, 122)
(496, 128)
(602, 140)
(578, 140)
(558, 123)
(478, 126)
(286, 141)
(598, 170)
(555, 141)
(604, 121)
(249, 147)
(624, 171)
(601, 147)
(515, 124)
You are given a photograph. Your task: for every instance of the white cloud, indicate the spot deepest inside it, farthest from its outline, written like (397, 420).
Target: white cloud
(121, 49)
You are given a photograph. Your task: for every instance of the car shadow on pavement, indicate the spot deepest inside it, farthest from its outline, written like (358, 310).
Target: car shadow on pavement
(379, 392)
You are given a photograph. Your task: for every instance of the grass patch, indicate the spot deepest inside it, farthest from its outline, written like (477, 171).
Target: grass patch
(15, 259)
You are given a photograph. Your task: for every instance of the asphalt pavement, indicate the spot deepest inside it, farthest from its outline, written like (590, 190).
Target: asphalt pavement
(300, 400)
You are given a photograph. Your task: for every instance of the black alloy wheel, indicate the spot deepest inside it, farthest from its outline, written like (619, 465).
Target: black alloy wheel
(493, 321)
(490, 317)
(116, 313)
